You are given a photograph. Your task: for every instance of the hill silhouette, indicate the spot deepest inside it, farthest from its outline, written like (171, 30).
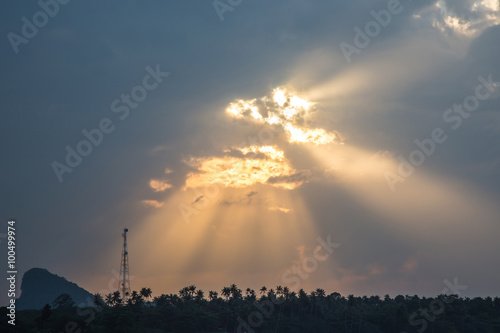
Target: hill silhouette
(40, 287)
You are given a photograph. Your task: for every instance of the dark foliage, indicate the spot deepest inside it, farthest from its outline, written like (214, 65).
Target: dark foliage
(267, 310)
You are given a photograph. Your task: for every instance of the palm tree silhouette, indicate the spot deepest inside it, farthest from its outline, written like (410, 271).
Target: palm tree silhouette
(226, 292)
(235, 291)
(212, 295)
(146, 293)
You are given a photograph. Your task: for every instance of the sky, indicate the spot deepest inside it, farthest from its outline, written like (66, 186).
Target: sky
(344, 145)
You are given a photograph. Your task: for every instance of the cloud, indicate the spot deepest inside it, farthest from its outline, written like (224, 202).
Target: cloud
(410, 266)
(376, 270)
(251, 194)
(237, 172)
(253, 164)
(158, 149)
(159, 185)
(279, 209)
(467, 18)
(152, 203)
(290, 181)
(246, 199)
(246, 170)
(285, 110)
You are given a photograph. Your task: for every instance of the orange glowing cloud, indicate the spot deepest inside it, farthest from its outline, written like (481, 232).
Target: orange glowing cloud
(317, 135)
(279, 209)
(152, 203)
(159, 185)
(269, 167)
(255, 164)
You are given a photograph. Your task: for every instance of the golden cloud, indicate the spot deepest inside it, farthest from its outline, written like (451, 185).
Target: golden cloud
(152, 203)
(279, 209)
(159, 185)
(256, 165)
(284, 109)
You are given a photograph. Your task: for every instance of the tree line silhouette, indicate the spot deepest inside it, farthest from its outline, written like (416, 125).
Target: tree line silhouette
(266, 310)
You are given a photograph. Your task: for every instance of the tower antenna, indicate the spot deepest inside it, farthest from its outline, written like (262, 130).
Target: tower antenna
(124, 270)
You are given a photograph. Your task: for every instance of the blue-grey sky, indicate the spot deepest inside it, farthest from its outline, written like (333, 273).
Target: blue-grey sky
(281, 173)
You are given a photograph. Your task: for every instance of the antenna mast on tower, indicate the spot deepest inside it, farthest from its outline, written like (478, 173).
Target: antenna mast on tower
(124, 270)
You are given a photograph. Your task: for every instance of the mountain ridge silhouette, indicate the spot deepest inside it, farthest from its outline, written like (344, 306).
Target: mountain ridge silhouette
(40, 287)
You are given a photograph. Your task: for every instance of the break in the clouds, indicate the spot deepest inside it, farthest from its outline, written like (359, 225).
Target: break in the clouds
(286, 111)
(246, 166)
